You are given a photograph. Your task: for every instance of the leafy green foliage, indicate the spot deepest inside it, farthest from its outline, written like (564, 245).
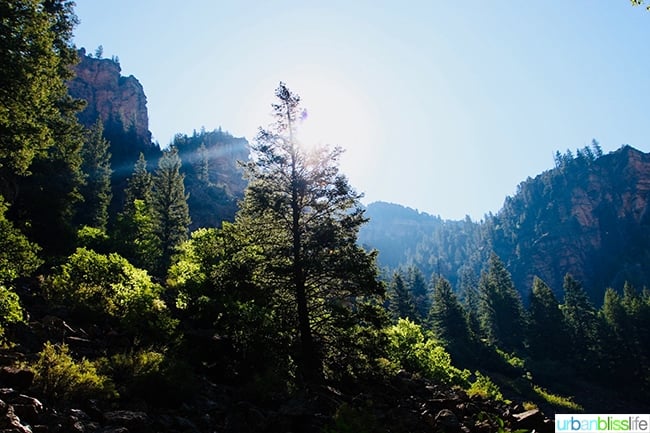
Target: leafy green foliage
(10, 311)
(109, 287)
(580, 317)
(34, 59)
(18, 256)
(410, 348)
(149, 375)
(348, 419)
(484, 387)
(558, 401)
(60, 378)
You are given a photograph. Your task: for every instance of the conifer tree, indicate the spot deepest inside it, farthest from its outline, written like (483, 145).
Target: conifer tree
(302, 217)
(170, 209)
(580, 317)
(96, 167)
(401, 302)
(447, 317)
(470, 298)
(136, 236)
(418, 287)
(35, 56)
(40, 137)
(501, 312)
(546, 329)
(139, 185)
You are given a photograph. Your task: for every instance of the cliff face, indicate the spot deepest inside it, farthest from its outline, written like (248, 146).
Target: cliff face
(118, 101)
(590, 219)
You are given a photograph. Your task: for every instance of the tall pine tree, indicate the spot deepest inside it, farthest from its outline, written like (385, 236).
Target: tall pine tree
(401, 302)
(170, 209)
(96, 191)
(547, 330)
(501, 312)
(447, 318)
(303, 217)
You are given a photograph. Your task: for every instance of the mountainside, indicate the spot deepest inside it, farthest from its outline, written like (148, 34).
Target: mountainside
(588, 216)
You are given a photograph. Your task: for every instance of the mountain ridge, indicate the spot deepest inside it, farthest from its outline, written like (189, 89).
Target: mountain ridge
(586, 209)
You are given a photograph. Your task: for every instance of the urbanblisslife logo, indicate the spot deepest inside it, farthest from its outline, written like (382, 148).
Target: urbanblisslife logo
(584, 423)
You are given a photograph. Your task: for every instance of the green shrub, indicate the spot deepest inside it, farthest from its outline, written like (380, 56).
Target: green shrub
(10, 311)
(18, 256)
(409, 348)
(109, 287)
(484, 387)
(557, 400)
(133, 371)
(60, 378)
(92, 238)
(348, 419)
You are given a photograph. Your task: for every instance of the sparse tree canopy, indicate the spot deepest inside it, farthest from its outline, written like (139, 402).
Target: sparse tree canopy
(304, 216)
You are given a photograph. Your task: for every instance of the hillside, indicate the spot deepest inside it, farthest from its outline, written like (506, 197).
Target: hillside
(588, 216)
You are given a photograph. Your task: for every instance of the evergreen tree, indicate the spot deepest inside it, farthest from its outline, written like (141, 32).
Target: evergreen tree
(401, 302)
(501, 312)
(303, 217)
(40, 137)
(171, 213)
(136, 236)
(35, 55)
(580, 317)
(139, 185)
(447, 318)
(418, 287)
(96, 167)
(470, 298)
(546, 329)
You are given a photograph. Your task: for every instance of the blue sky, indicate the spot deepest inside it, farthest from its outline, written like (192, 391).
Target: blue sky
(442, 106)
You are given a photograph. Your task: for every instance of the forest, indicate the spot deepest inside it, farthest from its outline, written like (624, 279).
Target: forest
(163, 301)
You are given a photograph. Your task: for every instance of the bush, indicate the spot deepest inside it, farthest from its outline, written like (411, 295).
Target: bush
(60, 378)
(10, 311)
(409, 348)
(93, 238)
(18, 256)
(133, 371)
(484, 387)
(109, 287)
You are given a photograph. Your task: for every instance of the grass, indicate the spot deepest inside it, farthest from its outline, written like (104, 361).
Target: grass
(557, 400)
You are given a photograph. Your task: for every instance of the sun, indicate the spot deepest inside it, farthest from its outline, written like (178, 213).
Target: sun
(337, 114)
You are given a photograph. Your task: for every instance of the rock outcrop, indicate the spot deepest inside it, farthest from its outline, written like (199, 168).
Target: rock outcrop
(590, 219)
(119, 101)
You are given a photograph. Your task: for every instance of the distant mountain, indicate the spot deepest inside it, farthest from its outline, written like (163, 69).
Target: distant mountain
(588, 216)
